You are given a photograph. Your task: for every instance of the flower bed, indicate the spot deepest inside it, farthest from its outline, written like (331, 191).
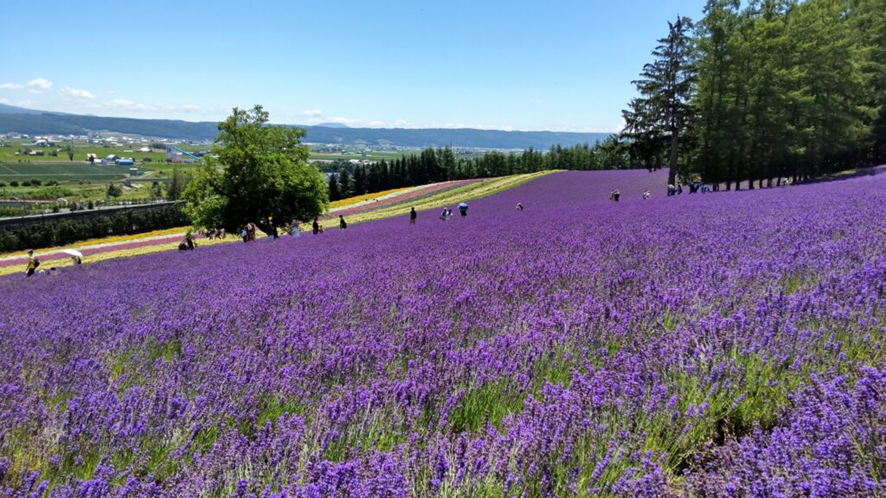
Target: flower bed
(700, 344)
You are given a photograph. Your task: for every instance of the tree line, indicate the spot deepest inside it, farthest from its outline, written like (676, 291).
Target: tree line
(772, 90)
(440, 165)
(59, 232)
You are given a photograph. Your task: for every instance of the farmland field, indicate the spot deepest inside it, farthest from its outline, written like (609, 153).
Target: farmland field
(62, 171)
(157, 160)
(727, 344)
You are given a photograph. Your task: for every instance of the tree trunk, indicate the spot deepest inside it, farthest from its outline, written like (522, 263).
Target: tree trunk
(672, 163)
(268, 228)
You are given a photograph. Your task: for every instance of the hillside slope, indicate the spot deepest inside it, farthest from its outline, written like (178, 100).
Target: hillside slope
(667, 347)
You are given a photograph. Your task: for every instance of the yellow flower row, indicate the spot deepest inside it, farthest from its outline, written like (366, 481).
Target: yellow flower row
(360, 198)
(469, 192)
(123, 253)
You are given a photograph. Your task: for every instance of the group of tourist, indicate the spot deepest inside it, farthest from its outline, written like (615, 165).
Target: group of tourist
(446, 214)
(247, 233)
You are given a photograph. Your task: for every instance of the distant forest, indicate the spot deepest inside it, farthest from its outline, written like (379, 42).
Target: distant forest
(775, 89)
(440, 165)
(71, 124)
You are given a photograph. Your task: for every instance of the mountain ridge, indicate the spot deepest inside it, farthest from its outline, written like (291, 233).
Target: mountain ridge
(42, 123)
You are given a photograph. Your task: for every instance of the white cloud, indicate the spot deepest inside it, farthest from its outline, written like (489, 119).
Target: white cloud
(311, 113)
(3, 101)
(347, 121)
(188, 109)
(11, 86)
(73, 92)
(39, 85)
(128, 105)
(25, 103)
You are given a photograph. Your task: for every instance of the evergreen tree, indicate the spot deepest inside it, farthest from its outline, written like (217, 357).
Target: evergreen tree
(643, 133)
(359, 185)
(334, 192)
(666, 85)
(717, 66)
(344, 184)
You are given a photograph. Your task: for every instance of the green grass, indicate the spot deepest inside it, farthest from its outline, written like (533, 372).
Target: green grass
(61, 170)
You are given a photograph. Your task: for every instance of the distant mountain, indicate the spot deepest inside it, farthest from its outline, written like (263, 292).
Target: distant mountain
(72, 124)
(332, 125)
(11, 109)
(458, 137)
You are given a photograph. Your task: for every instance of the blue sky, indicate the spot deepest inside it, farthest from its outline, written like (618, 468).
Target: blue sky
(556, 65)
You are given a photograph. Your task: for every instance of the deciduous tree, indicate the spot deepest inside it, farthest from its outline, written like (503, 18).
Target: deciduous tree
(259, 174)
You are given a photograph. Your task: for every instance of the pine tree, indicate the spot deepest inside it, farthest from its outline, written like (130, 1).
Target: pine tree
(344, 184)
(716, 78)
(359, 183)
(334, 191)
(666, 85)
(642, 132)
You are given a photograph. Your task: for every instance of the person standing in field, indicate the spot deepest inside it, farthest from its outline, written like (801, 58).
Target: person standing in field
(412, 216)
(316, 226)
(614, 195)
(646, 194)
(342, 224)
(519, 206)
(33, 263)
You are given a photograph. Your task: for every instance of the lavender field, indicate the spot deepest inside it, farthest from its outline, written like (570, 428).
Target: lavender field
(727, 344)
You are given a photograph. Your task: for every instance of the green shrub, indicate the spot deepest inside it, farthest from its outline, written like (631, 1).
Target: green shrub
(69, 230)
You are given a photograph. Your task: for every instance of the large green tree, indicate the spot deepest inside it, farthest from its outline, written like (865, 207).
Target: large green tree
(259, 174)
(666, 85)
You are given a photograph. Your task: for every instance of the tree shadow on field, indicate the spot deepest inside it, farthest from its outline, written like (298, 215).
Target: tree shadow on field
(846, 175)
